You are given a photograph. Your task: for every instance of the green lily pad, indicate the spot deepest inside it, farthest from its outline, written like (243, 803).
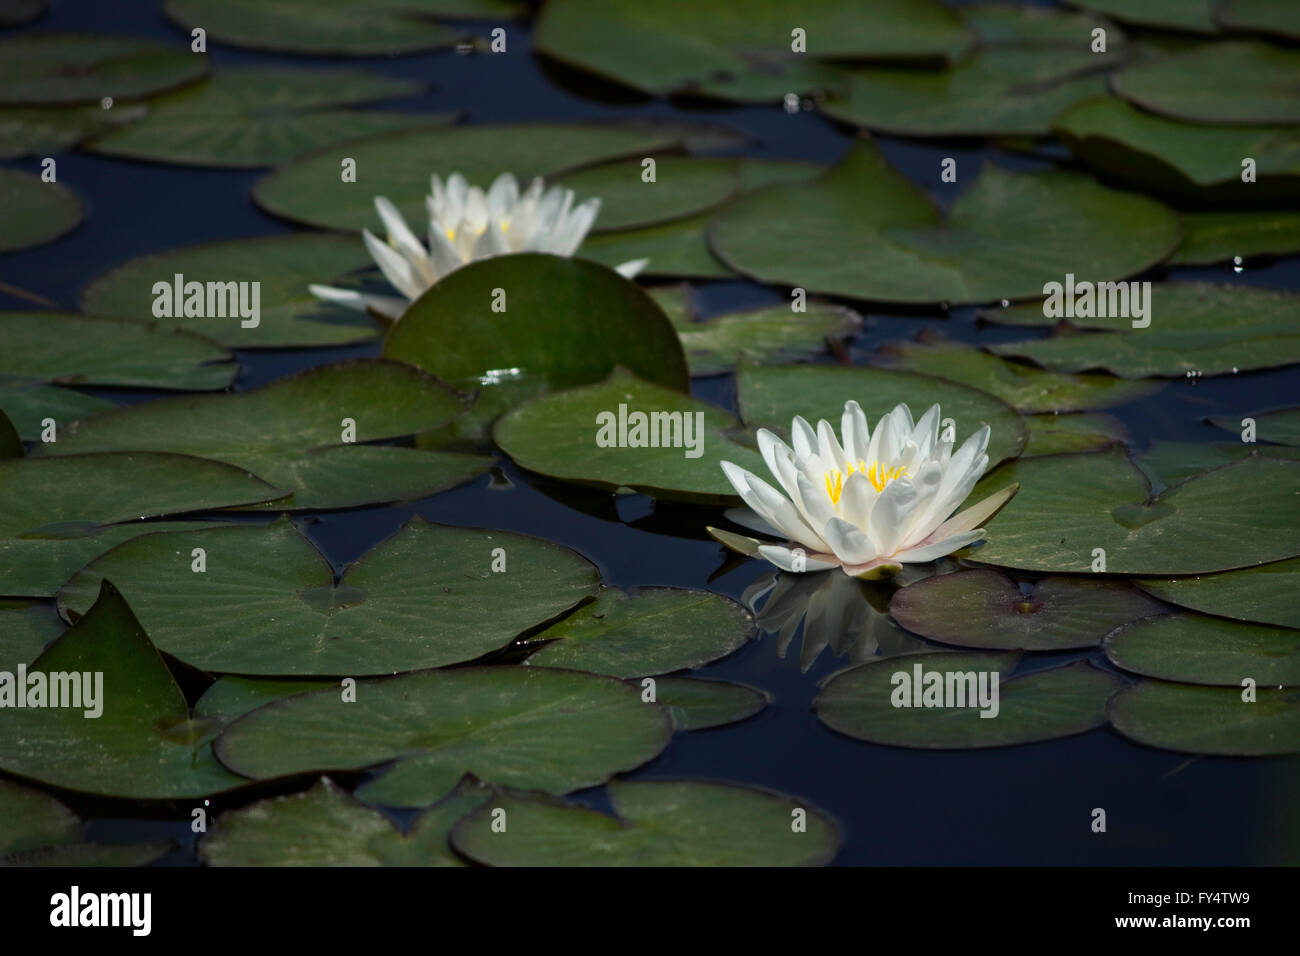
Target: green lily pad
(566, 322)
(37, 830)
(309, 190)
(1190, 85)
(73, 350)
(1282, 426)
(1191, 16)
(1195, 649)
(28, 403)
(268, 603)
(250, 117)
(290, 433)
(1000, 90)
(676, 302)
(768, 335)
(41, 131)
(1004, 237)
(325, 826)
(11, 444)
(52, 68)
(1024, 387)
(556, 434)
(1171, 462)
(289, 315)
(144, 745)
(33, 212)
(62, 498)
(1184, 159)
(26, 629)
(657, 823)
(1260, 16)
(1239, 515)
(1219, 236)
(1001, 23)
(231, 697)
(1264, 594)
(704, 704)
(683, 186)
(331, 28)
(1195, 327)
(985, 609)
(678, 249)
(1209, 720)
(757, 173)
(650, 631)
(716, 49)
(530, 727)
(1042, 705)
(31, 819)
(1057, 434)
(38, 567)
(772, 395)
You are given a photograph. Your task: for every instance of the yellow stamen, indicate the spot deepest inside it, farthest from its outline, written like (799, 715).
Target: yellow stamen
(877, 474)
(451, 235)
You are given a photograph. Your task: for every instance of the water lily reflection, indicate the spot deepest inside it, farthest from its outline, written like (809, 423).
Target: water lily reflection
(849, 616)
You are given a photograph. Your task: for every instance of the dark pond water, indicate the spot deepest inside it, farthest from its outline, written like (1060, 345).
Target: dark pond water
(1022, 805)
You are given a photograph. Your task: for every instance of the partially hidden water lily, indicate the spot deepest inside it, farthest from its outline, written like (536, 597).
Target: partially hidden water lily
(466, 224)
(867, 504)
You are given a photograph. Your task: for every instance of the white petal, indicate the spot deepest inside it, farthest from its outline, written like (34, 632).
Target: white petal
(857, 437)
(399, 272)
(802, 437)
(889, 513)
(631, 268)
(977, 514)
(748, 518)
(769, 504)
(387, 306)
(502, 196)
(851, 545)
(784, 558)
(828, 446)
(940, 548)
(403, 239)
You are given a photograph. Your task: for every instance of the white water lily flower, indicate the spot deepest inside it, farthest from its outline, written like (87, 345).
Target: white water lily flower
(466, 224)
(868, 506)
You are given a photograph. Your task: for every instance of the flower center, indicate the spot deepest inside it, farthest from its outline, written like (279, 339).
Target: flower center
(877, 474)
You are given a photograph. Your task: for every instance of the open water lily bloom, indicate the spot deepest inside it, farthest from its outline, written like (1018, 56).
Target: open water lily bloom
(466, 224)
(865, 502)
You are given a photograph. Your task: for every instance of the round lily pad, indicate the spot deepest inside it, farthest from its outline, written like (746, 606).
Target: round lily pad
(683, 186)
(310, 191)
(230, 697)
(26, 629)
(716, 49)
(985, 609)
(91, 854)
(1057, 434)
(530, 727)
(1181, 158)
(45, 130)
(256, 116)
(1209, 720)
(1171, 462)
(625, 432)
(1282, 426)
(1196, 649)
(1042, 705)
(656, 823)
(142, 745)
(999, 24)
(284, 266)
(267, 601)
(1024, 387)
(1260, 16)
(30, 819)
(74, 350)
(1001, 90)
(650, 631)
(771, 395)
(326, 826)
(1005, 237)
(1264, 593)
(678, 249)
(1069, 506)
(1190, 85)
(1220, 236)
(82, 68)
(337, 28)
(704, 704)
(1192, 16)
(33, 212)
(524, 324)
(291, 433)
(1212, 329)
(28, 403)
(768, 335)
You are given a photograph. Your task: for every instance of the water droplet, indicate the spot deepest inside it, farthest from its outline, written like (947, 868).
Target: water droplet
(106, 103)
(1005, 303)
(1236, 264)
(791, 103)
